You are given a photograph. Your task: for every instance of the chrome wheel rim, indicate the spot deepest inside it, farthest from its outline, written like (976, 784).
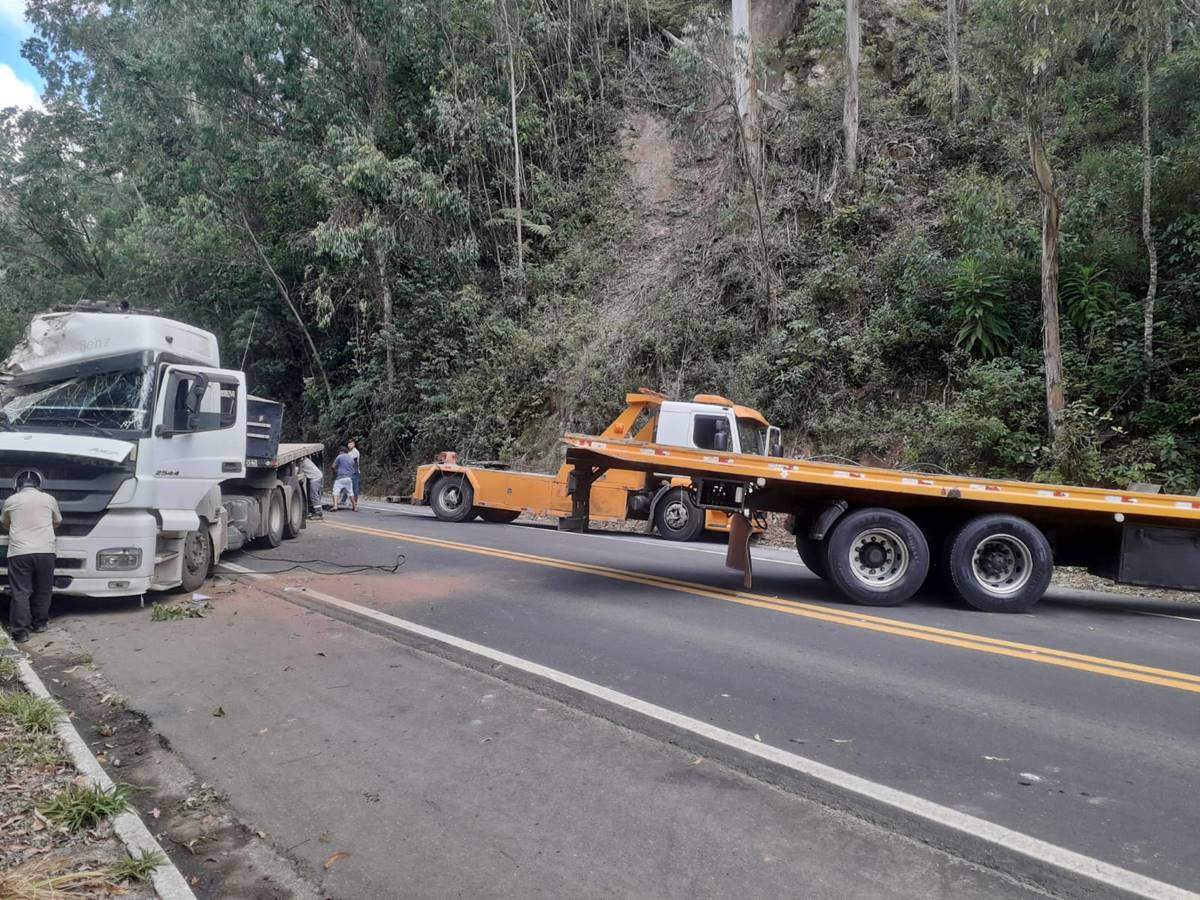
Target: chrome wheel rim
(676, 515)
(1002, 564)
(195, 555)
(276, 517)
(878, 558)
(452, 498)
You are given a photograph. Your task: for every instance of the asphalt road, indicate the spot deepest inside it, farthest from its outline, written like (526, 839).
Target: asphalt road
(1089, 740)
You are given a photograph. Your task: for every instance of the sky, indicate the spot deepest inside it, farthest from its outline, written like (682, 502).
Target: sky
(19, 83)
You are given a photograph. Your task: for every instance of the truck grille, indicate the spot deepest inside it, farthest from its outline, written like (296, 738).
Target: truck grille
(83, 489)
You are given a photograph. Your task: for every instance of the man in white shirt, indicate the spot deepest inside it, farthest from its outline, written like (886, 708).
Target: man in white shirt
(356, 478)
(30, 516)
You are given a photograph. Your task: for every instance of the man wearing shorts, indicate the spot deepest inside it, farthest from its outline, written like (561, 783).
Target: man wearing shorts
(343, 478)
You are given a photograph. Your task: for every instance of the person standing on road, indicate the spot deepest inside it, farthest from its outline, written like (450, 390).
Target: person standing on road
(30, 516)
(312, 475)
(357, 476)
(343, 478)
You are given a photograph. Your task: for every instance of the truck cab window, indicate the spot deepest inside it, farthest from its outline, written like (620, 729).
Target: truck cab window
(705, 433)
(218, 407)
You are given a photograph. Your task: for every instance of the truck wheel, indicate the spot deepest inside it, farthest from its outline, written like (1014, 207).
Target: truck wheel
(999, 563)
(276, 522)
(677, 517)
(295, 517)
(451, 499)
(197, 560)
(813, 554)
(877, 557)
(500, 516)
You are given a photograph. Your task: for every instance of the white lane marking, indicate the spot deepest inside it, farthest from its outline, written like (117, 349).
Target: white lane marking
(645, 542)
(242, 570)
(1031, 847)
(1165, 615)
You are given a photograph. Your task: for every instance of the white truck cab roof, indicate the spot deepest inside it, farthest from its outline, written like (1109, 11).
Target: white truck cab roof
(71, 338)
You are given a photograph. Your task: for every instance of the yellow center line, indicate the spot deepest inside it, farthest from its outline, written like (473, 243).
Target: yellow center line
(1183, 681)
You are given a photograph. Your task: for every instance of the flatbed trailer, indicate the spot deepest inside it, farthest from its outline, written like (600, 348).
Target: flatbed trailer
(876, 533)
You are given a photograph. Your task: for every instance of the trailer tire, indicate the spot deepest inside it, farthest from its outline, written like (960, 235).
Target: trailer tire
(813, 554)
(999, 563)
(877, 557)
(197, 560)
(276, 522)
(677, 517)
(498, 516)
(451, 499)
(295, 517)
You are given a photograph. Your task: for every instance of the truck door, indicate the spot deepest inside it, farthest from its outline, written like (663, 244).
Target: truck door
(199, 433)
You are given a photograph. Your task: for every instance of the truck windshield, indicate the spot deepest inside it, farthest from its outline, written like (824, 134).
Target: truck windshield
(752, 437)
(109, 401)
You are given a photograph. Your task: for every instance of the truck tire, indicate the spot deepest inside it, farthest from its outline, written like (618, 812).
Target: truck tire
(276, 523)
(295, 514)
(197, 560)
(813, 554)
(999, 563)
(877, 557)
(451, 499)
(499, 516)
(677, 517)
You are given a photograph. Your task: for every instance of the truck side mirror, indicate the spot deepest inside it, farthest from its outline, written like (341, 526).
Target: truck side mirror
(774, 441)
(191, 404)
(721, 441)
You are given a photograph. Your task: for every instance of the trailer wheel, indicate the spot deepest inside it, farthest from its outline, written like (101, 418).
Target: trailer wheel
(498, 516)
(813, 554)
(197, 560)
(999, 563)
(677, 517)
(276, 522)
(877, 557)
(451, 499)
(295, 517)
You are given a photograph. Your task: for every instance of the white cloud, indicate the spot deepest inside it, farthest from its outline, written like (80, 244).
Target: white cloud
(12, 12)
(14, 91)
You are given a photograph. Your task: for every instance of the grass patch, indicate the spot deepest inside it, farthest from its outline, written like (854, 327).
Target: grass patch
(53, 879)
(35, 750)
(137, 868)
(33, 714)
(8, 668)
(173, 612)
(76, 808)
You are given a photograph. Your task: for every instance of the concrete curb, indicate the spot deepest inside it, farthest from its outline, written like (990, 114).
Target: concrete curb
(168, 881)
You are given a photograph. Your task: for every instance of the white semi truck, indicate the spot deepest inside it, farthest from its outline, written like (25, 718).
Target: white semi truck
(159, 459)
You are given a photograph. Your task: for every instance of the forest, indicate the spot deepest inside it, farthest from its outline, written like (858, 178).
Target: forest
(948, 234)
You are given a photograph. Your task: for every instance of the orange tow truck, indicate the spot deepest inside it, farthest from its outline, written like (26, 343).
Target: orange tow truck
(458, 493)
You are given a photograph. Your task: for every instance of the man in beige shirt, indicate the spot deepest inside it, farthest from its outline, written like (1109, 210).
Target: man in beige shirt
(30, 517)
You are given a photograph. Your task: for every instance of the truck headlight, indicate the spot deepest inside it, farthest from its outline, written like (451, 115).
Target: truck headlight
(119, 559)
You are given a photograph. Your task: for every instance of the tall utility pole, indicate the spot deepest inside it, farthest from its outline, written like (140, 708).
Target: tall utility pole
(850, 109)
(745, 81)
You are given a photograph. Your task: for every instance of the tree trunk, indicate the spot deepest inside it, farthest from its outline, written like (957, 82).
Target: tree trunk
(1051, 342)
(512, 96)
(389, 335)
(745, 86)
(952, 53)
(1147, 231)
(850, 109)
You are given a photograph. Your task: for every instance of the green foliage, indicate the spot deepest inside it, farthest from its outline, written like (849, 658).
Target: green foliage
(76, 808)
(33, 714)
(1087, 295)
(977, 298)
(137, 868)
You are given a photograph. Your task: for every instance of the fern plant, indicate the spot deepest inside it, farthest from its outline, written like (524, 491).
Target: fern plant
(1087, 294)
(977, 298)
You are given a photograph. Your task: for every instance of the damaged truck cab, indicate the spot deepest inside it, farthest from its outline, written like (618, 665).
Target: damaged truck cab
(159, 460)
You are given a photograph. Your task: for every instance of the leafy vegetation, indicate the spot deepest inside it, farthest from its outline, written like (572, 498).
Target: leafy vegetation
(35, 715)
(76, 807)
(136, 868)
(420, 223)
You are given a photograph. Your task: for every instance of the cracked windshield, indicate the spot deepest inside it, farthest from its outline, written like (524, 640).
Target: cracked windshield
(113, 401)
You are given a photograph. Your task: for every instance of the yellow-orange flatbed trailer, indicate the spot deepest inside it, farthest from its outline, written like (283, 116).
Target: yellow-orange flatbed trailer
(501, 495)
(995, 541)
